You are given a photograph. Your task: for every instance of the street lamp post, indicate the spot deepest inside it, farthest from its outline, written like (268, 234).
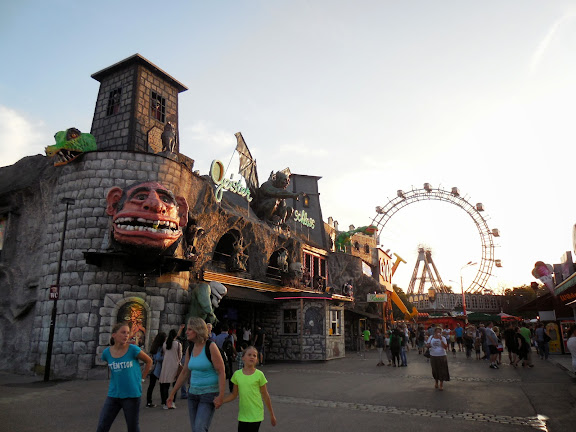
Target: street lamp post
(54, 293)
(468, 264)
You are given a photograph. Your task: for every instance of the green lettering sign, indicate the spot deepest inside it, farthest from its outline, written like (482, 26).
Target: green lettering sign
(224, 184)
(302, 217)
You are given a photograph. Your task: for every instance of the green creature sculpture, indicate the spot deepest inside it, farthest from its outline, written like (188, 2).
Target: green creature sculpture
(205, 299)
(343, 239)
(70, 144)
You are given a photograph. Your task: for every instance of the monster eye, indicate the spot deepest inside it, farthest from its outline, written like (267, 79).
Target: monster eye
(141, 196)
(166, 199)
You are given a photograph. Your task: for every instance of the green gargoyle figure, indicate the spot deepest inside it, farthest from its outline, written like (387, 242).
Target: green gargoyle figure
(343, 239)
(205, 299)
(70, 144)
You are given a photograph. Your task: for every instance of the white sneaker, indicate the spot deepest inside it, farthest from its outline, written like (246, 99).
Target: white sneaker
(164, 406)
(173, 406)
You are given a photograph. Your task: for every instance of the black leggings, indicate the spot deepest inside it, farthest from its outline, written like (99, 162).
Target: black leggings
(396, 356)
(248, 426)
(151, 386)
(164, 390)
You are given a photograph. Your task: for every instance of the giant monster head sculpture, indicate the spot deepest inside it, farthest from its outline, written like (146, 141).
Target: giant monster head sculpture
(147, 216)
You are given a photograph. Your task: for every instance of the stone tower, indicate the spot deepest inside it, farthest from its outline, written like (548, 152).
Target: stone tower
(136, 102)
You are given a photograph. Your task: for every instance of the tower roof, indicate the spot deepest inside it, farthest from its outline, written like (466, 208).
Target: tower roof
(138, 59)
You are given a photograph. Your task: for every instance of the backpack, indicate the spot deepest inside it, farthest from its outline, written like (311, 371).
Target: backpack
(227, 367)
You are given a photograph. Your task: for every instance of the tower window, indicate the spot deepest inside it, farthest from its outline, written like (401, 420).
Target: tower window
(113, 102)
(157, 107)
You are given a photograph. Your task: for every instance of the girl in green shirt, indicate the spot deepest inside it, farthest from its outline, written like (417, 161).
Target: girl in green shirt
(250, 384)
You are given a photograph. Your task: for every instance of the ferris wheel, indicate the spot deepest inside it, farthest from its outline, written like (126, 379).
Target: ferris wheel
(428, 193)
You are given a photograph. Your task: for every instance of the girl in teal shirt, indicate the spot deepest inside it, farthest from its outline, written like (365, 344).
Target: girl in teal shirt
(125, 379)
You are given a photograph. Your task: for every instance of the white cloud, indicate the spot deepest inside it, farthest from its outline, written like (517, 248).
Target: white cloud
(204, 142)
(19, 136)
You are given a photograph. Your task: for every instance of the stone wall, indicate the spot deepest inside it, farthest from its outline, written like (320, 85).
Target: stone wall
(313, 340)
(20, 271)
(92, 295)
(133, 128)
(147, 83)
(335, 343)
(112, 131)
(89, 294)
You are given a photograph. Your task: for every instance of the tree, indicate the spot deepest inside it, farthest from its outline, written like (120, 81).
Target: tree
(515, 297)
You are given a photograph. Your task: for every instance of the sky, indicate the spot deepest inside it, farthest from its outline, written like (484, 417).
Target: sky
(372, 96)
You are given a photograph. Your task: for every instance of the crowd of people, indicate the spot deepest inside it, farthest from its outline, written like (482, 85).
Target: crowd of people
(482, 342)
(195, 362)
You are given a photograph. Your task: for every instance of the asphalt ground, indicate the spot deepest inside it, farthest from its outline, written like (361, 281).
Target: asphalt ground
(350, 394)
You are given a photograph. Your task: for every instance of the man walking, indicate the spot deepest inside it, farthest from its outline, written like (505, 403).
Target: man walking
(483, 340)
(260, 341)
(527, 335)
(459, 333)
(492, 341)
(542, 339)
(366, 336)
(380, 345)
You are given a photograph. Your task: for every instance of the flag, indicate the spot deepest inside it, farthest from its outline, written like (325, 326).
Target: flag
(247, 167)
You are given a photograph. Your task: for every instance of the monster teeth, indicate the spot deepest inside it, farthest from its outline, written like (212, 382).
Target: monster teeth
(141, 224)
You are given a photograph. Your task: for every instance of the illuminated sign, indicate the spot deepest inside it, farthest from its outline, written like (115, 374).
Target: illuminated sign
(217, 174)
(385, 270)
(377, 298)
(302, 217)
(567, 296)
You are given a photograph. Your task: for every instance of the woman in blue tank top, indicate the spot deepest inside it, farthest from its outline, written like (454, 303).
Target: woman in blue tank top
(207, 377)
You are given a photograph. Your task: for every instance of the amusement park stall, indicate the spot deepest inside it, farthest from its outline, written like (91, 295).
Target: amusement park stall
(557, 312)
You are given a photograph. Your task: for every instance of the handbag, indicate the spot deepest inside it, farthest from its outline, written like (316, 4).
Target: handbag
(427, 353)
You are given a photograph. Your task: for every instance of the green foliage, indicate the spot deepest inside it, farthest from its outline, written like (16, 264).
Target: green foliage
(515, 297)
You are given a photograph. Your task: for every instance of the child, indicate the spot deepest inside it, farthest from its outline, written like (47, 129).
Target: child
(240, 362)
(477, 345)
(468, 344)
(125, 379)
(250, 384)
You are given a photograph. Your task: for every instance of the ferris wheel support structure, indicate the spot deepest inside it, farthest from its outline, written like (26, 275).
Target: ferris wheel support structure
(428, 193)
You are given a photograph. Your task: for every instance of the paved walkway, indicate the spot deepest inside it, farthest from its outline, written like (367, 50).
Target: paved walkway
(340, 395)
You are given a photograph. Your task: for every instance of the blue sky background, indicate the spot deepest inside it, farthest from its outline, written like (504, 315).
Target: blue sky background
(373, 96)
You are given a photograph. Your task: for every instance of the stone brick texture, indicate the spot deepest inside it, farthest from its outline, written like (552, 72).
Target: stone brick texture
(91, 295)
(130, 128)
